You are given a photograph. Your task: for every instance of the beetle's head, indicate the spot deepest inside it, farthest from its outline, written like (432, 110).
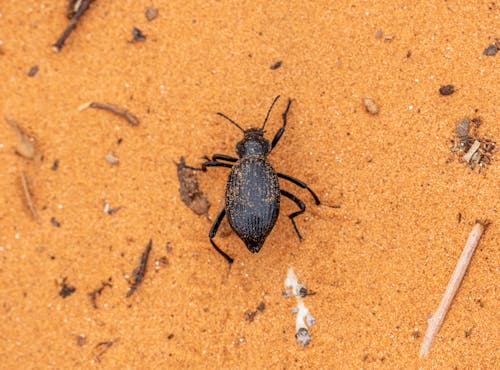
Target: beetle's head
(253, 143)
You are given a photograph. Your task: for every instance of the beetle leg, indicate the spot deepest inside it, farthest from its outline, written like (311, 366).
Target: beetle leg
(291, 216)
(206, 164)
(224, 157)
(213, 231)
(280, 132)
(303, 185)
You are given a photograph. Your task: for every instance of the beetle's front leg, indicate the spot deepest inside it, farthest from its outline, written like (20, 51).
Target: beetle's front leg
(216, 161)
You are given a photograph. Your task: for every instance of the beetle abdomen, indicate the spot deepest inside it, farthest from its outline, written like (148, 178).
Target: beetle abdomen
(252, 200)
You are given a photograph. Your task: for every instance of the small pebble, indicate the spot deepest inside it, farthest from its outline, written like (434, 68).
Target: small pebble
(112, 159)
(137, 35)
(33, 71)
(55, 165)
(370, 106)
(446, 90)
(491, 50)
(151, 13)
(276, 65)
(54, 222)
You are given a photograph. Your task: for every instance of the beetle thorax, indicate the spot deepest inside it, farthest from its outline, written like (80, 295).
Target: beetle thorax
(253, 144)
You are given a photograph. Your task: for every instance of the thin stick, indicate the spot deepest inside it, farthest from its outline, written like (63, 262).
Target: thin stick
(27, 195)
(84, 5)
(131, 119)
(435, 322)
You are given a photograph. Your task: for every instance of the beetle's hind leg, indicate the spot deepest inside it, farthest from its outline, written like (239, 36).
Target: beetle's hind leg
(303, 185)
(213, 231)
(291, 216)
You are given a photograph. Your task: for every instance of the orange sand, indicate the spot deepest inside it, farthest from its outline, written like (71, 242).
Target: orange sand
(378, 265)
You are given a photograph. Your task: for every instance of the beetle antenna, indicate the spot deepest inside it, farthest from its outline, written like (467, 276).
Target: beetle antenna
(230, 120)
(269, 111)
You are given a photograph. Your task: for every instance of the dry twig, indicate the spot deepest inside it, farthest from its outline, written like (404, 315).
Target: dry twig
(27, 196)
(435, 322)
(81, 7)
(131, 119)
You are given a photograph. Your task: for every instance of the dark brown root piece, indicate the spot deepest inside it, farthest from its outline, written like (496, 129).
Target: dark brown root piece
(131, 119)
(140, 270)
(102, 347)
(82, 5)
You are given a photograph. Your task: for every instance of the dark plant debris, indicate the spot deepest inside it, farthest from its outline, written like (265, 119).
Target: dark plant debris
(250, 314)
(33, 71)
(102, 347)
(98, 291)
(151, 13)
(131, 119)
(468, 332)
(54, 222)
(162, 261)
(55, 165)
(276, 65)
(189, 189)
(110, 210)
(474, 150)
(66, 290)
(140, 270)
(75, 9)
(492, 49)
(446, 90)
(137, 35)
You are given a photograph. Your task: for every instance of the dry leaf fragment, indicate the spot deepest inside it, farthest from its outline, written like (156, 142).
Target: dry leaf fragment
(25, 146)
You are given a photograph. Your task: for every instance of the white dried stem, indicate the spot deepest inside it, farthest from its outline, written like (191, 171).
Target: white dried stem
(435, 322)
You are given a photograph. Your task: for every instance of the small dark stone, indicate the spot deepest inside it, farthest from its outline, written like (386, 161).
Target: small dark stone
(81, 340)
(261, 307)
(55, 165)
(250, 315)
(151, 13)
(276, 65)
(447, 90)
(491, 50)
(33, 71)
(54, 222)
(137, 35)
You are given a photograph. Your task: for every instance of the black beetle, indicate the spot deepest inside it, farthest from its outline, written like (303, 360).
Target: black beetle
(252, 198)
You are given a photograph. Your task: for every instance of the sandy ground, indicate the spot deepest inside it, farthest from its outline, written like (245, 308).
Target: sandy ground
(378, 265)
